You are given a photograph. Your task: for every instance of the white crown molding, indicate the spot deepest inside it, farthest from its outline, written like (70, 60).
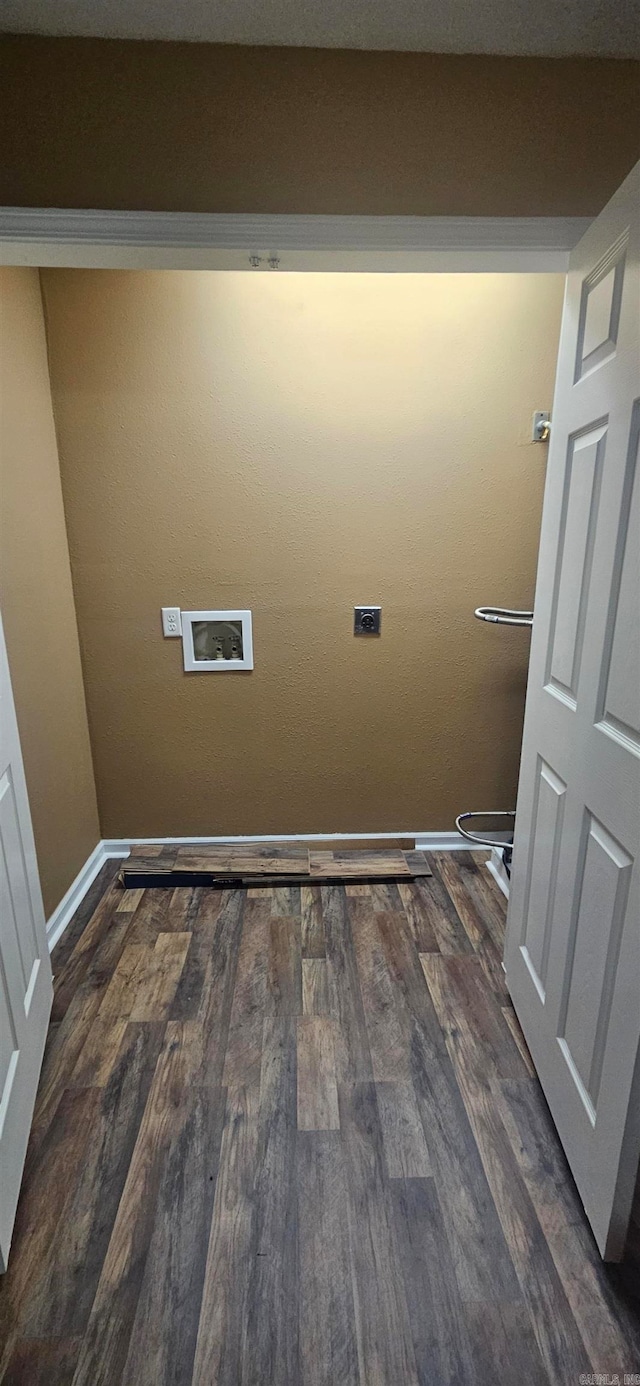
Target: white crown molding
(193, 240)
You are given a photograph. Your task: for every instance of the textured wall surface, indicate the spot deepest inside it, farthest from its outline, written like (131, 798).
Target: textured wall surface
(200, 127)
(297, 444)
(36, 598)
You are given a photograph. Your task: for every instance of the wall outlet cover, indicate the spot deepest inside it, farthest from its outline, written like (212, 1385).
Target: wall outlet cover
(171, 620)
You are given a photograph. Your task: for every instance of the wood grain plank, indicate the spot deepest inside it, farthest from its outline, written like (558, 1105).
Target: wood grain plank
(608, 1324)
(475, 1234)
(504, 1345)
(317, 1090)
(61, 1300)
(405, 1149)
(223, 1312)
(417, 863)
(442, 916)
(315, 987)
(75, 970)
(346, 864)
(129, 901)
(286, 901)
(39, 1362)
(353, 1059)
(420, 924)
(561, 1347)
(472, 1021)
(483, 926)
(162, 1343)
(149, 918)
(243, 1056)
(387, 1044)
(204, 997)
(99, 1053)
(438, 1319)
(385, 1344)
(519, 1039)
(245, 861)
(384, 897)
(106, 1341)
(328, 1346)
(313, 942)
(48, 1188)
(270, 1350)
(105, 878)
(158, 979)
(285, 965)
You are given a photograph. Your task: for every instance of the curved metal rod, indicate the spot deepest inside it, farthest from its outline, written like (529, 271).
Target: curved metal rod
(484, 841)
(504, 616)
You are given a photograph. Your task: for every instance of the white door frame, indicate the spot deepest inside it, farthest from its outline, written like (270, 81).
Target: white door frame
(44, 237)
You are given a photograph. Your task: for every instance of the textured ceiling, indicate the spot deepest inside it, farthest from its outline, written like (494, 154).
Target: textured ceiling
(546, 27)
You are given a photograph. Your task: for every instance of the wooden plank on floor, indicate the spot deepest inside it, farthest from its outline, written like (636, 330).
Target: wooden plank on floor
(163, 1338)
(384, 1335)
(405, 1149)
(437, 1315)
(106, 1341)
(269, 860)
(561, 1346)
(317, 1090)
(607, 1321)
(243, 1056)
(61, 1304)
(271, 1338)
(415, 908)
(475, 1234)
(353, 1058)
(354, 864)
(285, 965)
(387, 1046)
(472, 1021)
(328, 1346)
(442, 915)
(313, 942)
(223, 1309)
(315, 987)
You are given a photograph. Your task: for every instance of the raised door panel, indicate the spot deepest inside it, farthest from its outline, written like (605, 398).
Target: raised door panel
(546, 835)
(600, 910)
(619, 701)
(578, 522)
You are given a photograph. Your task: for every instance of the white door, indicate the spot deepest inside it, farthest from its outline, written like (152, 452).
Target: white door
(25, 971)
(573, 934)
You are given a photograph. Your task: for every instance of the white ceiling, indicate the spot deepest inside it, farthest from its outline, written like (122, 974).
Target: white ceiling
(535, 27)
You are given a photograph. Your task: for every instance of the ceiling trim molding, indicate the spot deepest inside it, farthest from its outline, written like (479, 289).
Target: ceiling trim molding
(194, 240)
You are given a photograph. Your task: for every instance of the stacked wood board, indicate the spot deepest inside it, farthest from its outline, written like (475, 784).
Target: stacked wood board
(273, 864)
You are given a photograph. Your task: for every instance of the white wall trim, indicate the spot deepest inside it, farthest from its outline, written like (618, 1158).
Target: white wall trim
(121, 847)
(495, 866)
(428, 842)
(210, 240)
(63, 914)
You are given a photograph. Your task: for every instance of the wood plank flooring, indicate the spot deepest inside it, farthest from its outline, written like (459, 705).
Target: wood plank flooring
(292, 1137)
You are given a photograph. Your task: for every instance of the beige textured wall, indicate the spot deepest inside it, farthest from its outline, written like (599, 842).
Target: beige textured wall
(296, 444)
(36, 598)
(196, 127)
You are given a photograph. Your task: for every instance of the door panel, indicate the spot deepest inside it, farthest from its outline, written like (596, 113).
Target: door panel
(573, 935)
(25, 970)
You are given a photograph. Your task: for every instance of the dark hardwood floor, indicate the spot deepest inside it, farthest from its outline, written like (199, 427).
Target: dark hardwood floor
(293, 1136)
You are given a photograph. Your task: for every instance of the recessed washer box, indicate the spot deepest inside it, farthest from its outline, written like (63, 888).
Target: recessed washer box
(217, 642)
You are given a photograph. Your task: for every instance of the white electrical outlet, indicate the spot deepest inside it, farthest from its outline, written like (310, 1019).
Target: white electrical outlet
(171, 620)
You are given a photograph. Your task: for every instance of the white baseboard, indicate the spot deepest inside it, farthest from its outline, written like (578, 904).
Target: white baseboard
(495, 865)
(63, 914)
(426, 842)
(121, 847)
(445, 842)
